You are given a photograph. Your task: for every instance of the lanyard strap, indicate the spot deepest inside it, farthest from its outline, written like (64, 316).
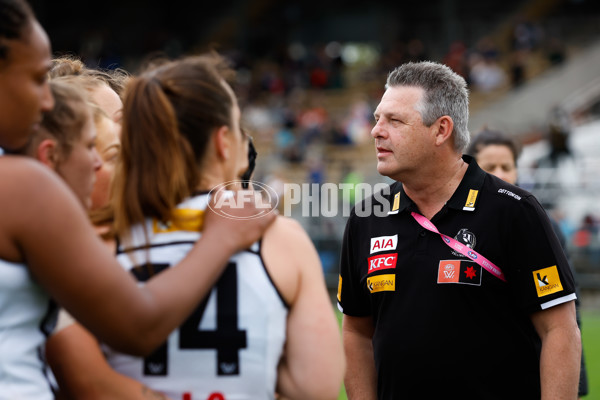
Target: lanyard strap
(461, 248)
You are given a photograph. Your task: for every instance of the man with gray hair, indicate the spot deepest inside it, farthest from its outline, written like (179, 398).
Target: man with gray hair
(455, 290)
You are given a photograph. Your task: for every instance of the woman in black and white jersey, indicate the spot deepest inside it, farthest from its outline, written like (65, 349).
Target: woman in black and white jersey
(268, 326)
(48, 248)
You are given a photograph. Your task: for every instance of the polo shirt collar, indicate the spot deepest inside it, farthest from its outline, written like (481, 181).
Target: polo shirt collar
(464, 198)
(466, 195)
(400, 200)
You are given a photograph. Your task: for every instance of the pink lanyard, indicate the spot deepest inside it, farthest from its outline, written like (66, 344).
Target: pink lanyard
(461, 248)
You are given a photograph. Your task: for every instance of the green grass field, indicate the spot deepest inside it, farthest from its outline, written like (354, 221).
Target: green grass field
(590, 328)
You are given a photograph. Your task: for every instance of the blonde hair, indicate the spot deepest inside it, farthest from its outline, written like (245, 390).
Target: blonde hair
(69, 65)
(65, 122)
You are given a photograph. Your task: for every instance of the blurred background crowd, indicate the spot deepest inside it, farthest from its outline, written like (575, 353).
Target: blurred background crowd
(311, 72)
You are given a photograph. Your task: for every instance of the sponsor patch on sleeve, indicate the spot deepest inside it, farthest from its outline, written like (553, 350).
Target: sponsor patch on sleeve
(382, 283)
(459, 271)
(339, 293)
(547, 281)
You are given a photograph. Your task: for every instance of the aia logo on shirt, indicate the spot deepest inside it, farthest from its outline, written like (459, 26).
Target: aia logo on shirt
(383, 243)
(384, 261)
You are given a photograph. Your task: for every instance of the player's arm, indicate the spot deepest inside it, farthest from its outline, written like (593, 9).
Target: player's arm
(561, 351)
(313, 363)
(52, 233)
(360, 380)
(82, 372)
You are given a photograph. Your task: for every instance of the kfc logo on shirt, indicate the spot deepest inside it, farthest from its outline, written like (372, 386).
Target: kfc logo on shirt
(384, 261)
(383, 243)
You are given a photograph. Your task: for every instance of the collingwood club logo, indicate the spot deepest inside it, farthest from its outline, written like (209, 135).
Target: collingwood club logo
(465, 237)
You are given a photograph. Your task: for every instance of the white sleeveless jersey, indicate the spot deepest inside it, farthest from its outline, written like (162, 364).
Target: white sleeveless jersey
(229, 348)
(25, 308)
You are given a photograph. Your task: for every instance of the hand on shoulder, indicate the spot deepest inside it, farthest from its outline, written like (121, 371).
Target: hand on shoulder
(237, 222)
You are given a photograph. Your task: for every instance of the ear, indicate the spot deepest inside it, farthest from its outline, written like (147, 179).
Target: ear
(444, 127)
(47, 152)
(223, 142)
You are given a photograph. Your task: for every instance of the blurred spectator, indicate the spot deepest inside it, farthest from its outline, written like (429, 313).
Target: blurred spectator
(518, 63)
(336, 73)
(312, 119)
(456, 58)
(566, 225)
(392, 57)
(485, 74)
(318, 67)
(276, 182)
(316, 168)
(287, 145)
(559, 128)
(359, 121)
(352, 177)
(555, 50)
(339, 134)
(416, 51)
(259, 118)
(586, 234)
(525, 35)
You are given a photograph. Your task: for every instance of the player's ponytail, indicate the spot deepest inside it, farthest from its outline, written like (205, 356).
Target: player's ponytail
(157, 168)
(170, 113)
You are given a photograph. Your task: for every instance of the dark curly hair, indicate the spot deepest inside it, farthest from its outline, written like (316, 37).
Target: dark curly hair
(488, 137)
(14, 17)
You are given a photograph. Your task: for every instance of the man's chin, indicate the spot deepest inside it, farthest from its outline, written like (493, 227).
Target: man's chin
(387, 172)
(383, 169)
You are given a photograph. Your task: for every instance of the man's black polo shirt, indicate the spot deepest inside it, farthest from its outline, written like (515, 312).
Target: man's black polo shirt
(444, 326)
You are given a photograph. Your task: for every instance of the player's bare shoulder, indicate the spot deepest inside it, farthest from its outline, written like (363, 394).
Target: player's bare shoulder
(23, 187)
(24, 176)
(16, 166)
(287, 234)
(29, 192)
(21, 178)
(289, 254)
